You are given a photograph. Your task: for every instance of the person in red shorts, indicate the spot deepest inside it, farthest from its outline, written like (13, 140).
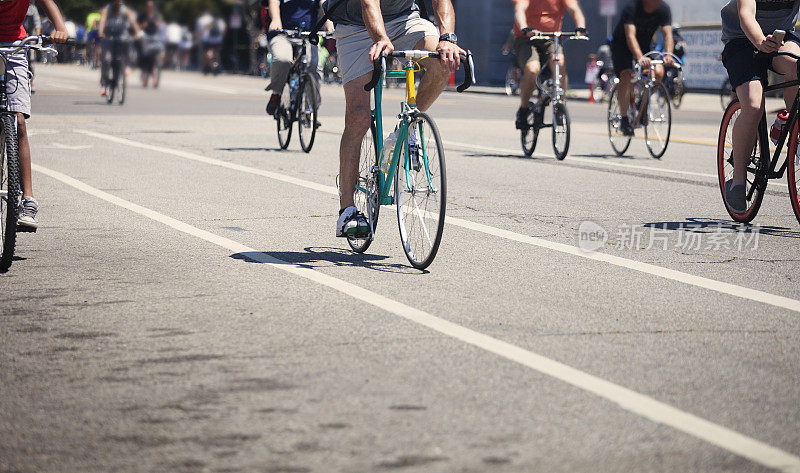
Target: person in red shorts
(18, 89)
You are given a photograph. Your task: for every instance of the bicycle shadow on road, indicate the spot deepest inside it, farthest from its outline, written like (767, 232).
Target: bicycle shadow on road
(711, 225)
(327, 257)
(628, 157)
(254, 149)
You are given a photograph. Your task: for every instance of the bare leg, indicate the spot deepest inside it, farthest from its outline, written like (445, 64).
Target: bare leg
(528, 82)
(788, 67)
(436, 76)
(624, 91)
(751, 96)
(24, 157)
(357, 121)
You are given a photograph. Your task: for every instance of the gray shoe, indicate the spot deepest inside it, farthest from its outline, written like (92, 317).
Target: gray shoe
(736, 197)
(28, 209)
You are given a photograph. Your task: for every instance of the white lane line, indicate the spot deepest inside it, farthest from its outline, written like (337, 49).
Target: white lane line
(666, 273)
(627, 399)
(575, 158)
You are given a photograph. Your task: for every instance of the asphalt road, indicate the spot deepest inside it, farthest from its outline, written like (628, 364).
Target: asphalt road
(185, 305)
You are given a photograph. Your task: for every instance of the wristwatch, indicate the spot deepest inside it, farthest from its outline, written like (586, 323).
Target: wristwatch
(451, 37)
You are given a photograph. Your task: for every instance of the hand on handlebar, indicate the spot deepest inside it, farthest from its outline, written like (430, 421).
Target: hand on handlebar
(532, 32)
(645, 62)
(669, 60)
(381, 47)
(59, 36)
(275, 24)
(769, 45)
(449, 55)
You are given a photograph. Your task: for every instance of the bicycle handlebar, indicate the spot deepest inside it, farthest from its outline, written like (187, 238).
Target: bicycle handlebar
(379, 65)
(34, 42)
(560, 34)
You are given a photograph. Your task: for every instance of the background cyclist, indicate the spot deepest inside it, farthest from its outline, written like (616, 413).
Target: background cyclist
(116, 20)
(633, 35)
(152, 44)
(18, 91)
(360, 39)
(531, 17)
(291, 14)
(747, 27)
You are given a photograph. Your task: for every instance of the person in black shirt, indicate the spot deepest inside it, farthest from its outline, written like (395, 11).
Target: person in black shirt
(151, 46)
(640, 21)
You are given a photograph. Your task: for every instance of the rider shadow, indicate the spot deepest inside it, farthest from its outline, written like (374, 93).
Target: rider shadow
(501, 155)
(315, 258)
(254, 149)
(711, 225)
(610, 156)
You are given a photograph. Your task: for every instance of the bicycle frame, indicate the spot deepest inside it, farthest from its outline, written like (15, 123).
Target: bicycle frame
(407, 109)
(763, 136)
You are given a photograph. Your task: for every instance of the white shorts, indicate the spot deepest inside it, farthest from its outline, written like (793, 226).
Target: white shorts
(18, 83)
(353, 42)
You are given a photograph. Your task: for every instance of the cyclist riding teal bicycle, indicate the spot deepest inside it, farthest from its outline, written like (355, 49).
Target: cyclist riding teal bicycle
(639, 22)
(362, 38)
(12, 16)
(530, 18)
(747, 28)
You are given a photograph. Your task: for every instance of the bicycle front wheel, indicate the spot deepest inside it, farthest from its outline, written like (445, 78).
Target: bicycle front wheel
(529, 135)
(283, 118)
(619, 142)
(9, 189)
(658, 122)
(793, 171)
(561, 131)
(421, 192)
(123, 86)
(755, 181)
(307, 115)
(366, 195)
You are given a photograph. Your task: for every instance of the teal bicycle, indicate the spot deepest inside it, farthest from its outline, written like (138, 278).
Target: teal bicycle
(413, 166)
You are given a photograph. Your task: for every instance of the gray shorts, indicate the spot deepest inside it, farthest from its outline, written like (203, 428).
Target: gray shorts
(18, 83)
(353, 42)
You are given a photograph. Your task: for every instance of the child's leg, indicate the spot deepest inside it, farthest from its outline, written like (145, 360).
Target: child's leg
(751, 96)
(24, 157)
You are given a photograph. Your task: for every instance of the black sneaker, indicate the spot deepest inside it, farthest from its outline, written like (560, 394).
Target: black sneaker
(272, 105)
(522, 118)
(625, 127)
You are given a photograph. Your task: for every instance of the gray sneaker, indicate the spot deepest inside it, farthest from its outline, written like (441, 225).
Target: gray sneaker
(28, 209)
(352, 223)
(415, 150)
(736, 197)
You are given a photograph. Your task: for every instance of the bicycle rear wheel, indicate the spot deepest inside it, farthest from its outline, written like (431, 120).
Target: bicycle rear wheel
(421, 194)
(619, 142)
(658, 126)
(307, 115)
(756, 183)
(561, 131)
(793, 171)
(530, 134)
(367, 193)
(9, 189)
(283, 118)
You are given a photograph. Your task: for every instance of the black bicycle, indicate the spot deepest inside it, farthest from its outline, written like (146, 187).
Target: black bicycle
(118, 82)
(760, 166)
(10, 192)
(299, 98)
